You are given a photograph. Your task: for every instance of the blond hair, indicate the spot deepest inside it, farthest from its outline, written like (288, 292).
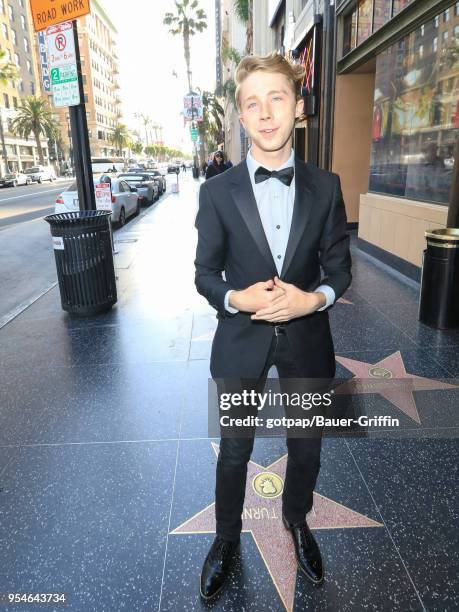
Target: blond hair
(274, 62)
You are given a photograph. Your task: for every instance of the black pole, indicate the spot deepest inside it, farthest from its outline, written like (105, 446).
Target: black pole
(80, 141)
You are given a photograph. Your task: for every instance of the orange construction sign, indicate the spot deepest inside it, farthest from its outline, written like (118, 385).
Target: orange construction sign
(50, 12)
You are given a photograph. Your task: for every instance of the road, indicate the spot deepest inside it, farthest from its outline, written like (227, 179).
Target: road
(28, 202)
(27, 267)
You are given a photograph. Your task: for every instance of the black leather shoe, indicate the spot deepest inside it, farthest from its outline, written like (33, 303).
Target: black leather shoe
(215, 570)
(306, 550)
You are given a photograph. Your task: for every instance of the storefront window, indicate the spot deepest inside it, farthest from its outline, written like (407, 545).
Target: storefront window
(350, 30)
(399, 5)
(364, 20)
(381, 13)
(416, 116)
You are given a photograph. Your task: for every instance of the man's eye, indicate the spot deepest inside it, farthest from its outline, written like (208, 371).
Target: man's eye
(250, 105)
(277, 98)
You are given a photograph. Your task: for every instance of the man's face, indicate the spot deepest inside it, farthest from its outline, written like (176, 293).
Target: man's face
(268, 103)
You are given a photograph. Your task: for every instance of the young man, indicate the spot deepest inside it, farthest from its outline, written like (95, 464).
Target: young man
(269, 223)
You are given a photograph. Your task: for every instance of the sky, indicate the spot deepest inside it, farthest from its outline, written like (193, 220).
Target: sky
(148, 54)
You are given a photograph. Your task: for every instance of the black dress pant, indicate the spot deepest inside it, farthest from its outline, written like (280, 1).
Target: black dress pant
(303, 462)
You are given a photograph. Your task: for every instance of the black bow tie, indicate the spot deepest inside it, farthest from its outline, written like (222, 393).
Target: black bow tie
(285, 175)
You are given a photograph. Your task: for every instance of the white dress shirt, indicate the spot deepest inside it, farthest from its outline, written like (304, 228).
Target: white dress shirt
(275, 205)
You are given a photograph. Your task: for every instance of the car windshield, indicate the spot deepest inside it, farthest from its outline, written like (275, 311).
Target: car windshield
(34, 169)
(8, 176)
(29, 171)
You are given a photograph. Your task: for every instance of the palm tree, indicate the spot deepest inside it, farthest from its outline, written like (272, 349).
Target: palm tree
(137, 148)
(119, 136)
(8, 70)
(244, 10)
(34, 117)
(146, 120)
(210, 129)
(187, 25)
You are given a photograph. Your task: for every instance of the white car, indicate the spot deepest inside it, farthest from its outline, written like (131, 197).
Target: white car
(13, 179)
(39, 174)
(125, 200)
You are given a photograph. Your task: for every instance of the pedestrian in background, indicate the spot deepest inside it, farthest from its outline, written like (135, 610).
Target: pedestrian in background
(217, 166)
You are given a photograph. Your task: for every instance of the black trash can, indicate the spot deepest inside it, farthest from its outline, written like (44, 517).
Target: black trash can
(84, 261)
(439, 302)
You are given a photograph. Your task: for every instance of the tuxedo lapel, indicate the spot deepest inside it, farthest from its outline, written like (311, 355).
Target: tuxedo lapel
(301, 209)
(244, 198)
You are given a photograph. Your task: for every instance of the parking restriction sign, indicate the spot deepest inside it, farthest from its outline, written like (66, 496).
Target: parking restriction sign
(63, 66)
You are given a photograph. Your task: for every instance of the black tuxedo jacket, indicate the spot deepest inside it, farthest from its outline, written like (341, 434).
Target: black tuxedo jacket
(231, 240)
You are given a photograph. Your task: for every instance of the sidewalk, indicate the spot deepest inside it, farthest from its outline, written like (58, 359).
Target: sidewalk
(107, 475)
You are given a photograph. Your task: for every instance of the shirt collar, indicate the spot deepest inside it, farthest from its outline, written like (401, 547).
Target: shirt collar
(253, 164)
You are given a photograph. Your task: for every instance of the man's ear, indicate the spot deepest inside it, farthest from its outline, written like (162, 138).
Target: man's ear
(299, 109)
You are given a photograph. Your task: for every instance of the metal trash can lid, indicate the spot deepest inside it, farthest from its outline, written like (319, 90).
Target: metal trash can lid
(443, 237)
(79, 218)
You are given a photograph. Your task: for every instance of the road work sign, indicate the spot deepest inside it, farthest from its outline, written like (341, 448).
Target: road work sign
(50, 12)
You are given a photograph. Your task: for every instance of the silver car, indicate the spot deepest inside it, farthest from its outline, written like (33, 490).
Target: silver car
(159, 178)
(147, 188)
(13, 179)
(124, 199)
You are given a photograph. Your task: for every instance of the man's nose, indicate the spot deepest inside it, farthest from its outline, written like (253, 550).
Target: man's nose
(265, 110)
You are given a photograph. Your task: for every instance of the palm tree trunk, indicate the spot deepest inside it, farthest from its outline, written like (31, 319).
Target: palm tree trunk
(39, 149)
(186, 46)
(249, 29)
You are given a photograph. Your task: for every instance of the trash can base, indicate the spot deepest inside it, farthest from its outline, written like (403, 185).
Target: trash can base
(87, 311)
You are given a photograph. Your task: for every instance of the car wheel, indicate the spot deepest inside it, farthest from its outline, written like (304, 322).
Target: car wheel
(137, 210)
(122, 217)
(15, 183)
(39, 179)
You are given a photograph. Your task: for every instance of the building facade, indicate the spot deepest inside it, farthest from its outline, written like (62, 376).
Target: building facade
(17, 42)
(396, 120)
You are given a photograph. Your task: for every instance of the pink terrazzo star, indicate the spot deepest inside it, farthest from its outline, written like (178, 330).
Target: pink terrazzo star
(262, 518)
(383, 378)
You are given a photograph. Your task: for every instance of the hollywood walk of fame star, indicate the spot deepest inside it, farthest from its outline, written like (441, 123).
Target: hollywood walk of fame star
(388, 372)
(262, 517)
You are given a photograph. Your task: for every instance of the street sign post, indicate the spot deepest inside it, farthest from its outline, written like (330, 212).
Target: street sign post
(46, 13)
(67, 87)
(59, 19)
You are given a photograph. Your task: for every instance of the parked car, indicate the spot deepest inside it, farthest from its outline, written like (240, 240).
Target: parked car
(173, 168)
(147, 188)
(12, 179)
(157, 176)
(38, 174)
(125, 200)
